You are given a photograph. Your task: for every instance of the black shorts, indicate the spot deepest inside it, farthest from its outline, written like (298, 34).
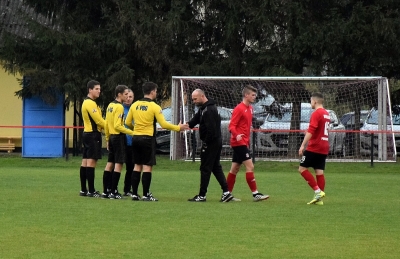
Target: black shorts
(129, 156)
(91, 145)
(144, 150)
(314, 160)
(116, 149)
(240, 154)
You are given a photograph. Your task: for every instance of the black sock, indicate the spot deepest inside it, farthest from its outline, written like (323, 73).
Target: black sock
(115, 181)
(135, 182)
(90, 178)
(107, 179)
(146, 181)
(82, 174)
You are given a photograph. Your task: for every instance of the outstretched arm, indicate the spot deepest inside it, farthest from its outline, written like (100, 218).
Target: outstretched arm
(195, 120)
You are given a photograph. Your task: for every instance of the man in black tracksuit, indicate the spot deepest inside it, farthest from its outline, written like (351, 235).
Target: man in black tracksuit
(210, 134)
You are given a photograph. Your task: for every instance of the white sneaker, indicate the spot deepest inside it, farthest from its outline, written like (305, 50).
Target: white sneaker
(149, 197)
(260, 197)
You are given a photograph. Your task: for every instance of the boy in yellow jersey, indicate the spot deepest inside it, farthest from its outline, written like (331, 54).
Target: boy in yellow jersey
(115, 136)
(145, 113)
(93, 122)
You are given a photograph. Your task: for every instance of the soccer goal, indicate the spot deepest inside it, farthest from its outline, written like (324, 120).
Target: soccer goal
(361, 125)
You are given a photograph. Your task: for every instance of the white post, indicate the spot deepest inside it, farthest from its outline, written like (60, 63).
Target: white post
(174, 117)
(184, 120)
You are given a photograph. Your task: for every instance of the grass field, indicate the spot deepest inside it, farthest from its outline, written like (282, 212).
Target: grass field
(42, 216)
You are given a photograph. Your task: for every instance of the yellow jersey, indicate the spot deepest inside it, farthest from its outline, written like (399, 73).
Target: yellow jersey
(145, 113)
(91, 114)
(115, 120)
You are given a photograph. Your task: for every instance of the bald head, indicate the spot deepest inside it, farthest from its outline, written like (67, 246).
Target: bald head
(198, 97)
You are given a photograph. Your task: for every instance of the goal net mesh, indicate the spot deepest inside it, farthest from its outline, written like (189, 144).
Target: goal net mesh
(361, 117)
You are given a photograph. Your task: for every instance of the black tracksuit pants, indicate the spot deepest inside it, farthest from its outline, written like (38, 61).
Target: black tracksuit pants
(129, 169)
(210, 162)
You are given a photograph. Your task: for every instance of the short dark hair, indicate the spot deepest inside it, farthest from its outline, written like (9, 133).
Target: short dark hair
(119, 89)
(249, 88)
(91, 84)
(318, 96)
(148, 87)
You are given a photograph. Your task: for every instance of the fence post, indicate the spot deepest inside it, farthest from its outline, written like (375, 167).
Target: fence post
(372, 150)
(66, 144)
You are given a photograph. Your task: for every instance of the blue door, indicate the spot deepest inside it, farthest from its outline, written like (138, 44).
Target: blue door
(43, 142)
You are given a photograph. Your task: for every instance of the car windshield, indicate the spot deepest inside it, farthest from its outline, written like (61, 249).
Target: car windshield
(167, 113)
(259, 106)
(225, 114)
(287, 116)
(349, 119)
(373, 118)
(396, 119)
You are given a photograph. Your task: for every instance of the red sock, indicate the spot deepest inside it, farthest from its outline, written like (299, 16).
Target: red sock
(321, 181)
(230, 180)
(251, 181)
(310, 179)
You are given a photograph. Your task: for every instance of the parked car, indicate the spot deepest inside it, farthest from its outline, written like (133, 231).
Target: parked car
(348, 120)
(261, 109)
(371, 124)
(226, 115)
(279, 141)
(163, 136)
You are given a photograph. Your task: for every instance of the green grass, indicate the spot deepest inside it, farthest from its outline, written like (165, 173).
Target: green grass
(42, 216)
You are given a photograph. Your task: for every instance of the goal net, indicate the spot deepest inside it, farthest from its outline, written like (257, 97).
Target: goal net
(362, 122)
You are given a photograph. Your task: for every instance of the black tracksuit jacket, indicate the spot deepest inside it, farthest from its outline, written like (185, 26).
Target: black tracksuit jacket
(209, 122)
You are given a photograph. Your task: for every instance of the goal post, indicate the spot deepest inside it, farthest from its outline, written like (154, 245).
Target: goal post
(282, 112)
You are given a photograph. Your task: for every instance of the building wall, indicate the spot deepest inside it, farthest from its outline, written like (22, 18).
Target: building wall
(11, 108)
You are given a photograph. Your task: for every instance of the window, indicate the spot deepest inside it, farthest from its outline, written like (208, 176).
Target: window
(373, 118)
(287, 116)
(167, 113)
(333, 117)
(224, 114)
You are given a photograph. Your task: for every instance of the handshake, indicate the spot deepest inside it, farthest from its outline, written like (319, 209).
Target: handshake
(183, 127)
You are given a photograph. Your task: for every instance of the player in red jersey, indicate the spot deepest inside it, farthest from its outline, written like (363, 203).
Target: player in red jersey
(239, 127)
(317, 149)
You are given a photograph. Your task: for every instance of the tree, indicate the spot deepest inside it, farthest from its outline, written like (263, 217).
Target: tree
(132, 41)
(62, 44)
(347, 38)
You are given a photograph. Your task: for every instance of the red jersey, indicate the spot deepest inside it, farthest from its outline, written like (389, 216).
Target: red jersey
(319, 124)
(240, 123)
